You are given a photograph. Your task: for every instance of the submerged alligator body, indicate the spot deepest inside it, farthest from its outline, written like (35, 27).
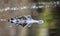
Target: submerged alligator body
(25, 21)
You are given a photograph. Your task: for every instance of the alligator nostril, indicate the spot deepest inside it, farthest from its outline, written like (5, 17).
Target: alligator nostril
(12, 22)
(12, 18)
